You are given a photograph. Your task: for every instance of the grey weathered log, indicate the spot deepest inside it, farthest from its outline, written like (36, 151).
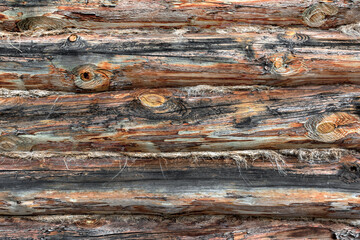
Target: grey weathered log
(287, 183)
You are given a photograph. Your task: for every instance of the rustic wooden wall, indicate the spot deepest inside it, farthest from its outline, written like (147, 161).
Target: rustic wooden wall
(166, 119)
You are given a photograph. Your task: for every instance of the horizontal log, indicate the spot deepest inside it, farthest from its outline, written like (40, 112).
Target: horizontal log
(199, 118)
(194, 227)
(287, 183)
(88, 62)
(175, 14)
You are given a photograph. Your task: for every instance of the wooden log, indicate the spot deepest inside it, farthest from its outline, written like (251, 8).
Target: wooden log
(191, 227)
(285, 57)
(287, 183)
(198, 15)
(199, 118)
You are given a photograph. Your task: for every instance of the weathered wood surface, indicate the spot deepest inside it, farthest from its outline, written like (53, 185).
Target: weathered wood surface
(194, 227)
(59, 152)
(287, 183)
(270, 57)
(165, 14)
(199, 118)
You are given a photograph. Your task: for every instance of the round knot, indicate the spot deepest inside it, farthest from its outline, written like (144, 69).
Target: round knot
(90, 77)
(326, 127)
(40, 22)
(72, 38)
(330, 127)
(152, 100)
(285, 64)
(315, 15)
(293, 37)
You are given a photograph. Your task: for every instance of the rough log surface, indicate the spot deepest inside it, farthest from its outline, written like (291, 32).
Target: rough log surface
(165, 14)
(194, 227)
(199, 118)
(287, 183)
(180, 147)
(271, 57)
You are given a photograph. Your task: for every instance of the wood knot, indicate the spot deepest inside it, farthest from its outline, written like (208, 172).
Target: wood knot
(90, 77)
(285, 64)
(40, 23)
(315, 15)
(72, 38)
(331, 127)
(158, 105)
(152, 100)
(293, 37)
(14, 143)
(326, 127)
(73, 42)
(351, 29)
(90, 223)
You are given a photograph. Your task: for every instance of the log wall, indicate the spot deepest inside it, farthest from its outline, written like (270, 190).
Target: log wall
(167, 119)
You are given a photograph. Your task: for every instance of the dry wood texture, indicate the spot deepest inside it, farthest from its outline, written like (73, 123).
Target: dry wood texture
(286, 57)
(122, 128)
(199, 118)
(287, 183)
(199, 15)
(196, 227)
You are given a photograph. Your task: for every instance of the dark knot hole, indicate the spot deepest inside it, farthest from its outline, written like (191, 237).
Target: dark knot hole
(86, 76)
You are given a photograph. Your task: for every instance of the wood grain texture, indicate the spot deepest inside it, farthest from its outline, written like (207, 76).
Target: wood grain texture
(184, 162)
(285, 57)
(164, 14)
(192, 227)
(199, 118)
(291, 183)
